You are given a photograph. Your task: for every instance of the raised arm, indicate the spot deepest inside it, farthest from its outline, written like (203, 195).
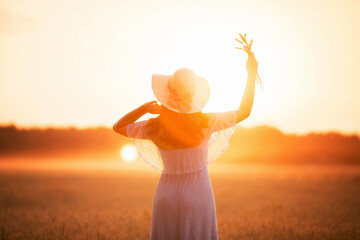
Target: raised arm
(248, 97)
(149, 107)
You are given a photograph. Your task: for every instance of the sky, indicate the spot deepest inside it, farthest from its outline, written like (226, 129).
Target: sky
(86, 63)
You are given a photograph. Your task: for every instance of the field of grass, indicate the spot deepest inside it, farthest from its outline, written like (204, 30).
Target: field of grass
(252, 202)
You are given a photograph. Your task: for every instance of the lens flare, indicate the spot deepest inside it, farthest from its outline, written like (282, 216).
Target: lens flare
(128, 153)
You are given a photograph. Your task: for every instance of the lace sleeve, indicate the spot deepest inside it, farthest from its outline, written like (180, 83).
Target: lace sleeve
(137, 130)
(145, 147)
(223, 125)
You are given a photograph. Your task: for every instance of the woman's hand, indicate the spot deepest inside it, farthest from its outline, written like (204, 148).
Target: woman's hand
(152, 107)
(251, 64)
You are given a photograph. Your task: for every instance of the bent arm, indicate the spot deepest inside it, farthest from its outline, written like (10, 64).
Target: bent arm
(148, 107)
(131, 117)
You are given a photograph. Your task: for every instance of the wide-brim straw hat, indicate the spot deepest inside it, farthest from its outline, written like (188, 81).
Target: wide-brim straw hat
(182, 92)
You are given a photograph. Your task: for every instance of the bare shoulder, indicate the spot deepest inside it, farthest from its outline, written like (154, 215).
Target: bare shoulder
(211, 116)
(227, 115)
(222, 120)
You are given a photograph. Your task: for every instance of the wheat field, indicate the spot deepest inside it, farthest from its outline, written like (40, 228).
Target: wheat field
(252, 202)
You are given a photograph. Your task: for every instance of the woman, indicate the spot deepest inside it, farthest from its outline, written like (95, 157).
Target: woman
(180, 143)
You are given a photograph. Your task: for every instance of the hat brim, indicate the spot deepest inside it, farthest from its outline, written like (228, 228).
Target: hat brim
(159, 84)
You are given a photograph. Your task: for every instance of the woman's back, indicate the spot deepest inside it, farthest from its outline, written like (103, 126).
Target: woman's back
(171, 130)
(184, 160)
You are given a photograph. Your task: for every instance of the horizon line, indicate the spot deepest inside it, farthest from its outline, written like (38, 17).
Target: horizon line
(44, 127)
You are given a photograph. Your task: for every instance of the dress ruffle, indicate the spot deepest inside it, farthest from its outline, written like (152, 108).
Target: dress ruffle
(184, 161)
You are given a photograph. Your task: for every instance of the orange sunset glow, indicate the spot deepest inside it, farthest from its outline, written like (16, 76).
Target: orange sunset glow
(78, 162)
(85, 63)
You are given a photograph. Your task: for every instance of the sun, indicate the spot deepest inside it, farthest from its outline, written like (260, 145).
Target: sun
(128, 153)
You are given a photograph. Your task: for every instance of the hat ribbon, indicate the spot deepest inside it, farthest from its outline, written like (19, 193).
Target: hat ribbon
(181, 102)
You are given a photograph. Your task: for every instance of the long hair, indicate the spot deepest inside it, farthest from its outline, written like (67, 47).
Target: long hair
(172, 130)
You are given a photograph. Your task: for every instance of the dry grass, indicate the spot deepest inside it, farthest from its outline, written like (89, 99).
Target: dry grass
(270, 203)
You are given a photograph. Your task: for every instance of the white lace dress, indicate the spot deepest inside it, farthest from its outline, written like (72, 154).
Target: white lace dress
(184, 205)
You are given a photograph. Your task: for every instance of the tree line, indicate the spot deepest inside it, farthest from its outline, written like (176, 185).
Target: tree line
(263, 144)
